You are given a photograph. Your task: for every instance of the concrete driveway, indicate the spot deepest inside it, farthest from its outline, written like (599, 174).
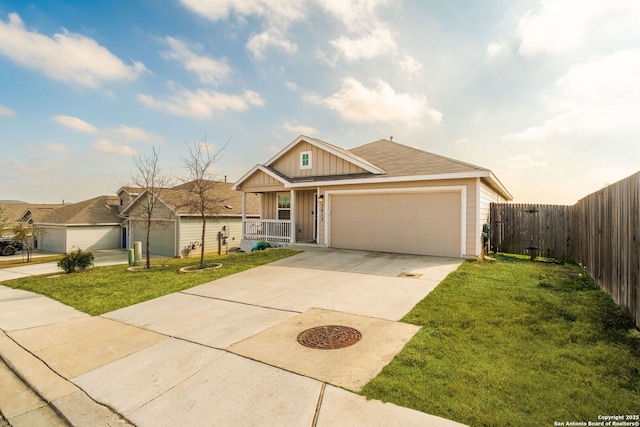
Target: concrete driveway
(226, 352)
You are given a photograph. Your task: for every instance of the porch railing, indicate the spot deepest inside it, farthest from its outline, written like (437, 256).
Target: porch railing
(270, 230)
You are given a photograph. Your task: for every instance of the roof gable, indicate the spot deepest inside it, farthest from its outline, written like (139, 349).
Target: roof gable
(359, 165)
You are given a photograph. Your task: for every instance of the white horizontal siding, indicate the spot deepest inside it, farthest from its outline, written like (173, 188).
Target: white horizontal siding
(191, 232)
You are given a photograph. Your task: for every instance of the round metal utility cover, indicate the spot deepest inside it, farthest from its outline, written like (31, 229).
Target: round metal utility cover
(329, 337)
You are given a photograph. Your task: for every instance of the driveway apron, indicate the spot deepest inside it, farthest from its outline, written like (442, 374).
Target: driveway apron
(228, 352)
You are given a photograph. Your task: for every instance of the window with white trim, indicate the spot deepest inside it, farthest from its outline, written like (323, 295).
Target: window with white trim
(305, 160)
(284, 206)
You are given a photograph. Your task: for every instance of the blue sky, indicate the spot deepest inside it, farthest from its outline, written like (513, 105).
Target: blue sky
(545, 93)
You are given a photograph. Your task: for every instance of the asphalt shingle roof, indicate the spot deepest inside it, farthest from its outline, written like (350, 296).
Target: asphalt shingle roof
(178, 197)
(401, 160)
(99, 210)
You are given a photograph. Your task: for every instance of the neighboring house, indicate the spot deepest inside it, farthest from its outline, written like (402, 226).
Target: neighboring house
(16, 214)
(381, 196)
(89, 225)
(178, 231)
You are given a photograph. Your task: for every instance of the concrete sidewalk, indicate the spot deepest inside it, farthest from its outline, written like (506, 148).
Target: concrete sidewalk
(224, 353)
(102, 258)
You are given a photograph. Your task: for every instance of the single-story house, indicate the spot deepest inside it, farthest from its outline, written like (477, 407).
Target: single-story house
(177, 230)
(16, 213)
(382, 196)
(90, 225)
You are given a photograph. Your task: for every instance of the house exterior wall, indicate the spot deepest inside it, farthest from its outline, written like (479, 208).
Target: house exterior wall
(93, 237)
(471, 224)
(487, 195)
(191, 231)
(323, 163)
(260, 182)
(162, 237)
(160, 211)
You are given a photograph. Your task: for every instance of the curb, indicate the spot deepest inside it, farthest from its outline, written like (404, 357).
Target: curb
(61, 400)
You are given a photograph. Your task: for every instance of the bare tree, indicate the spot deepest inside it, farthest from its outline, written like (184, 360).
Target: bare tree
(202, 198)
(4, 223)
(151, 181)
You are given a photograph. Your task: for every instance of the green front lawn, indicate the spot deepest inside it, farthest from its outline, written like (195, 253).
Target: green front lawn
(103, 289)
(516, 343)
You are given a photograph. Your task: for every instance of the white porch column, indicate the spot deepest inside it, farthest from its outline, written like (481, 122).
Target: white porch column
(293, 216)
(244, 214)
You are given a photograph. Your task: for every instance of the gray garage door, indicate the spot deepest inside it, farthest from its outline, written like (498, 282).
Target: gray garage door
(413, 223)
(52, 239)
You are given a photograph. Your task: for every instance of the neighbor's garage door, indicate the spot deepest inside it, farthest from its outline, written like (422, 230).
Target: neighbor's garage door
(412, 223)
(52, 240)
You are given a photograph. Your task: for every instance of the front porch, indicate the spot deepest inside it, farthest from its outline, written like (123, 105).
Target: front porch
(270, 230)
(285, 217)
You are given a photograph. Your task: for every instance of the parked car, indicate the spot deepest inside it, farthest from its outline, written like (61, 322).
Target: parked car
(9, 246)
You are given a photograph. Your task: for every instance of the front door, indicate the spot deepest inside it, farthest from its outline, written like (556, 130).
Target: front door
(306, 214)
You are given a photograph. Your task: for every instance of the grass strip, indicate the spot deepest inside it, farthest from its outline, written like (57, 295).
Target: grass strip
(516, 343)
(9, 263)
(103, 289)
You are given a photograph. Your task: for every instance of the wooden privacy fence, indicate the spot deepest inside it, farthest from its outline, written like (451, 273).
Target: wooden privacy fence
(536, 230)
(601, 232)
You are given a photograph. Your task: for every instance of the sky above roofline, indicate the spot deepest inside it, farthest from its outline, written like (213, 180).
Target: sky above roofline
(543, 93)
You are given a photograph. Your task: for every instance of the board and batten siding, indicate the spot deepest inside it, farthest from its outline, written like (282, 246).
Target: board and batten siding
(323, 163)
(260, 181)
(94, 237)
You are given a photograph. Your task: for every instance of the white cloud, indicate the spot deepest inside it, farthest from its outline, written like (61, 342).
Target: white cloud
(214, 10)
(66, 56)
(209, 70)
(600, 120)
(495, 49)
(134, 134)
(259, 43)
(75, 123)
(378, 42)
(558, 26)
(111, 147)
(357, 103)
(525, 161)
(6, 111)
(599, 97)
(356, 15)
(276, 15)
(409, 64)
(612, 79)
(300, 129)
(201, 104)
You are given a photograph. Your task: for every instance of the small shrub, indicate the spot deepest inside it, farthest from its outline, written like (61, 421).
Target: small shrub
(76, 261)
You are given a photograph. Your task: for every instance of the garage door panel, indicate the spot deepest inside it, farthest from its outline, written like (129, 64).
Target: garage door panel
(419, 223)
